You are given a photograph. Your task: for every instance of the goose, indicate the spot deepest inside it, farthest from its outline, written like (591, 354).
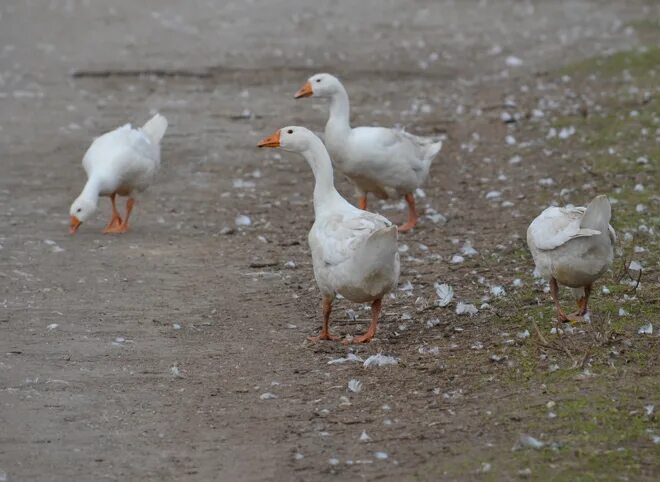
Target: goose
(573, 246)
(120, 162)
(354, 252)
(373, 158)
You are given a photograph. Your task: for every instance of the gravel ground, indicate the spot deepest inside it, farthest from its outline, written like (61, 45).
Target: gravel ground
(151, 356)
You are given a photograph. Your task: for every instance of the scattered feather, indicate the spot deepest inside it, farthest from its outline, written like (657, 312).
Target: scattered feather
(428, 350)
(493, 194)
(566, 132)
(380, 360)
(351, 357)
(364, 437)
(430, 323)
(354, 385)
(468, 250)
(466, 309)
(527, 441)
(444, 292)
(242, 220)
(407, 286)
(646, 329)
(457, 259)
(513, 61)
(497, 291)
(175, 372)
(267, 396)
(523, 334)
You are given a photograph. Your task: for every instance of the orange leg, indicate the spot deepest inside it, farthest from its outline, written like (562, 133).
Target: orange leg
(325, 332)
(582, 305)
(412, 214)
(122, 227)
(362, 202)
(115, 222)
(554, 292)
(371, 331)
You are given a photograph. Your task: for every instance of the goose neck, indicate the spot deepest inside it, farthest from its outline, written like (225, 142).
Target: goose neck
(340, 110)
(324, 187)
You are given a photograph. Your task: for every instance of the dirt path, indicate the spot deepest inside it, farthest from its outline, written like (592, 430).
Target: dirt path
(177, 352)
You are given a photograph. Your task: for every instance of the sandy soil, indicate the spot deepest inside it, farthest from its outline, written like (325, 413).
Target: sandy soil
(146, 356)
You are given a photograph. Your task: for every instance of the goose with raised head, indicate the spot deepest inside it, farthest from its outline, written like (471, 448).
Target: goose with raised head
(121, 162)
(573, 246)
(375, 159)
(354, 252)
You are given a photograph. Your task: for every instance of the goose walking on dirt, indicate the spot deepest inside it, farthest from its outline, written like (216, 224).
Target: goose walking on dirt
(375, 159)
(354, 252)
(119, 163)
(573, 246)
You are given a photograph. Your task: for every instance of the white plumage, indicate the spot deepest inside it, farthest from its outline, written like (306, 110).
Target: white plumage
(375, 159)
(121, 162)
(354, 252)
(573, 246)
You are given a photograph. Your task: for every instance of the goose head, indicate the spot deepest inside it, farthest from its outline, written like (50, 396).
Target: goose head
(319, 85)
(81, 209)
(291, 138)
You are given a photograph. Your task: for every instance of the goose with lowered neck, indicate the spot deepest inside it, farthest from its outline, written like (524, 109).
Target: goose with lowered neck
(373, 158)
(120, 162)
(573, 246)
(354, 252)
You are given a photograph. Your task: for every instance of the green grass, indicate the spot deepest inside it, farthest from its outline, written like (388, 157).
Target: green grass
(601, 431)
(642, 65)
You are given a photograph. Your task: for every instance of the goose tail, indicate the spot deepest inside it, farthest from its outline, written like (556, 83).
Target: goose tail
(597, 215)
(155, 128)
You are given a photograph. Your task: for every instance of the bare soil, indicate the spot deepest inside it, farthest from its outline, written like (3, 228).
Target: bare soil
(150, 356)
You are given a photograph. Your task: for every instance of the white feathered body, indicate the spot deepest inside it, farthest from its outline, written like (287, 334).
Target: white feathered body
(566, 247)
(354, 253)
(377, 158)
(126, 159)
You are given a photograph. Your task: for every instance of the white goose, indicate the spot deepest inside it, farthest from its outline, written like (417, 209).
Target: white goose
(120, 162)
(573, 247)
(373, 158)
(354, 252)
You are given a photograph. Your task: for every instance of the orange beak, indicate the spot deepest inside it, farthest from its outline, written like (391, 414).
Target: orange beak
(74, 225)
(270, 141)
(305, 91)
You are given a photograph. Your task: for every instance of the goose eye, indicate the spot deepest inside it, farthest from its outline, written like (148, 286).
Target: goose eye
(78, 210)
(318, 80)
(290, 131)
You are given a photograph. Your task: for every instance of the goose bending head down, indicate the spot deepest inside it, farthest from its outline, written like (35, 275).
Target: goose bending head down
(573, 246)
(354, 252)
(375, 159)
(120, 162)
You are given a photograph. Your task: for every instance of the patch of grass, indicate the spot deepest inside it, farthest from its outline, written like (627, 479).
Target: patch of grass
(601, 431)
(648, 29)
(641, 64)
